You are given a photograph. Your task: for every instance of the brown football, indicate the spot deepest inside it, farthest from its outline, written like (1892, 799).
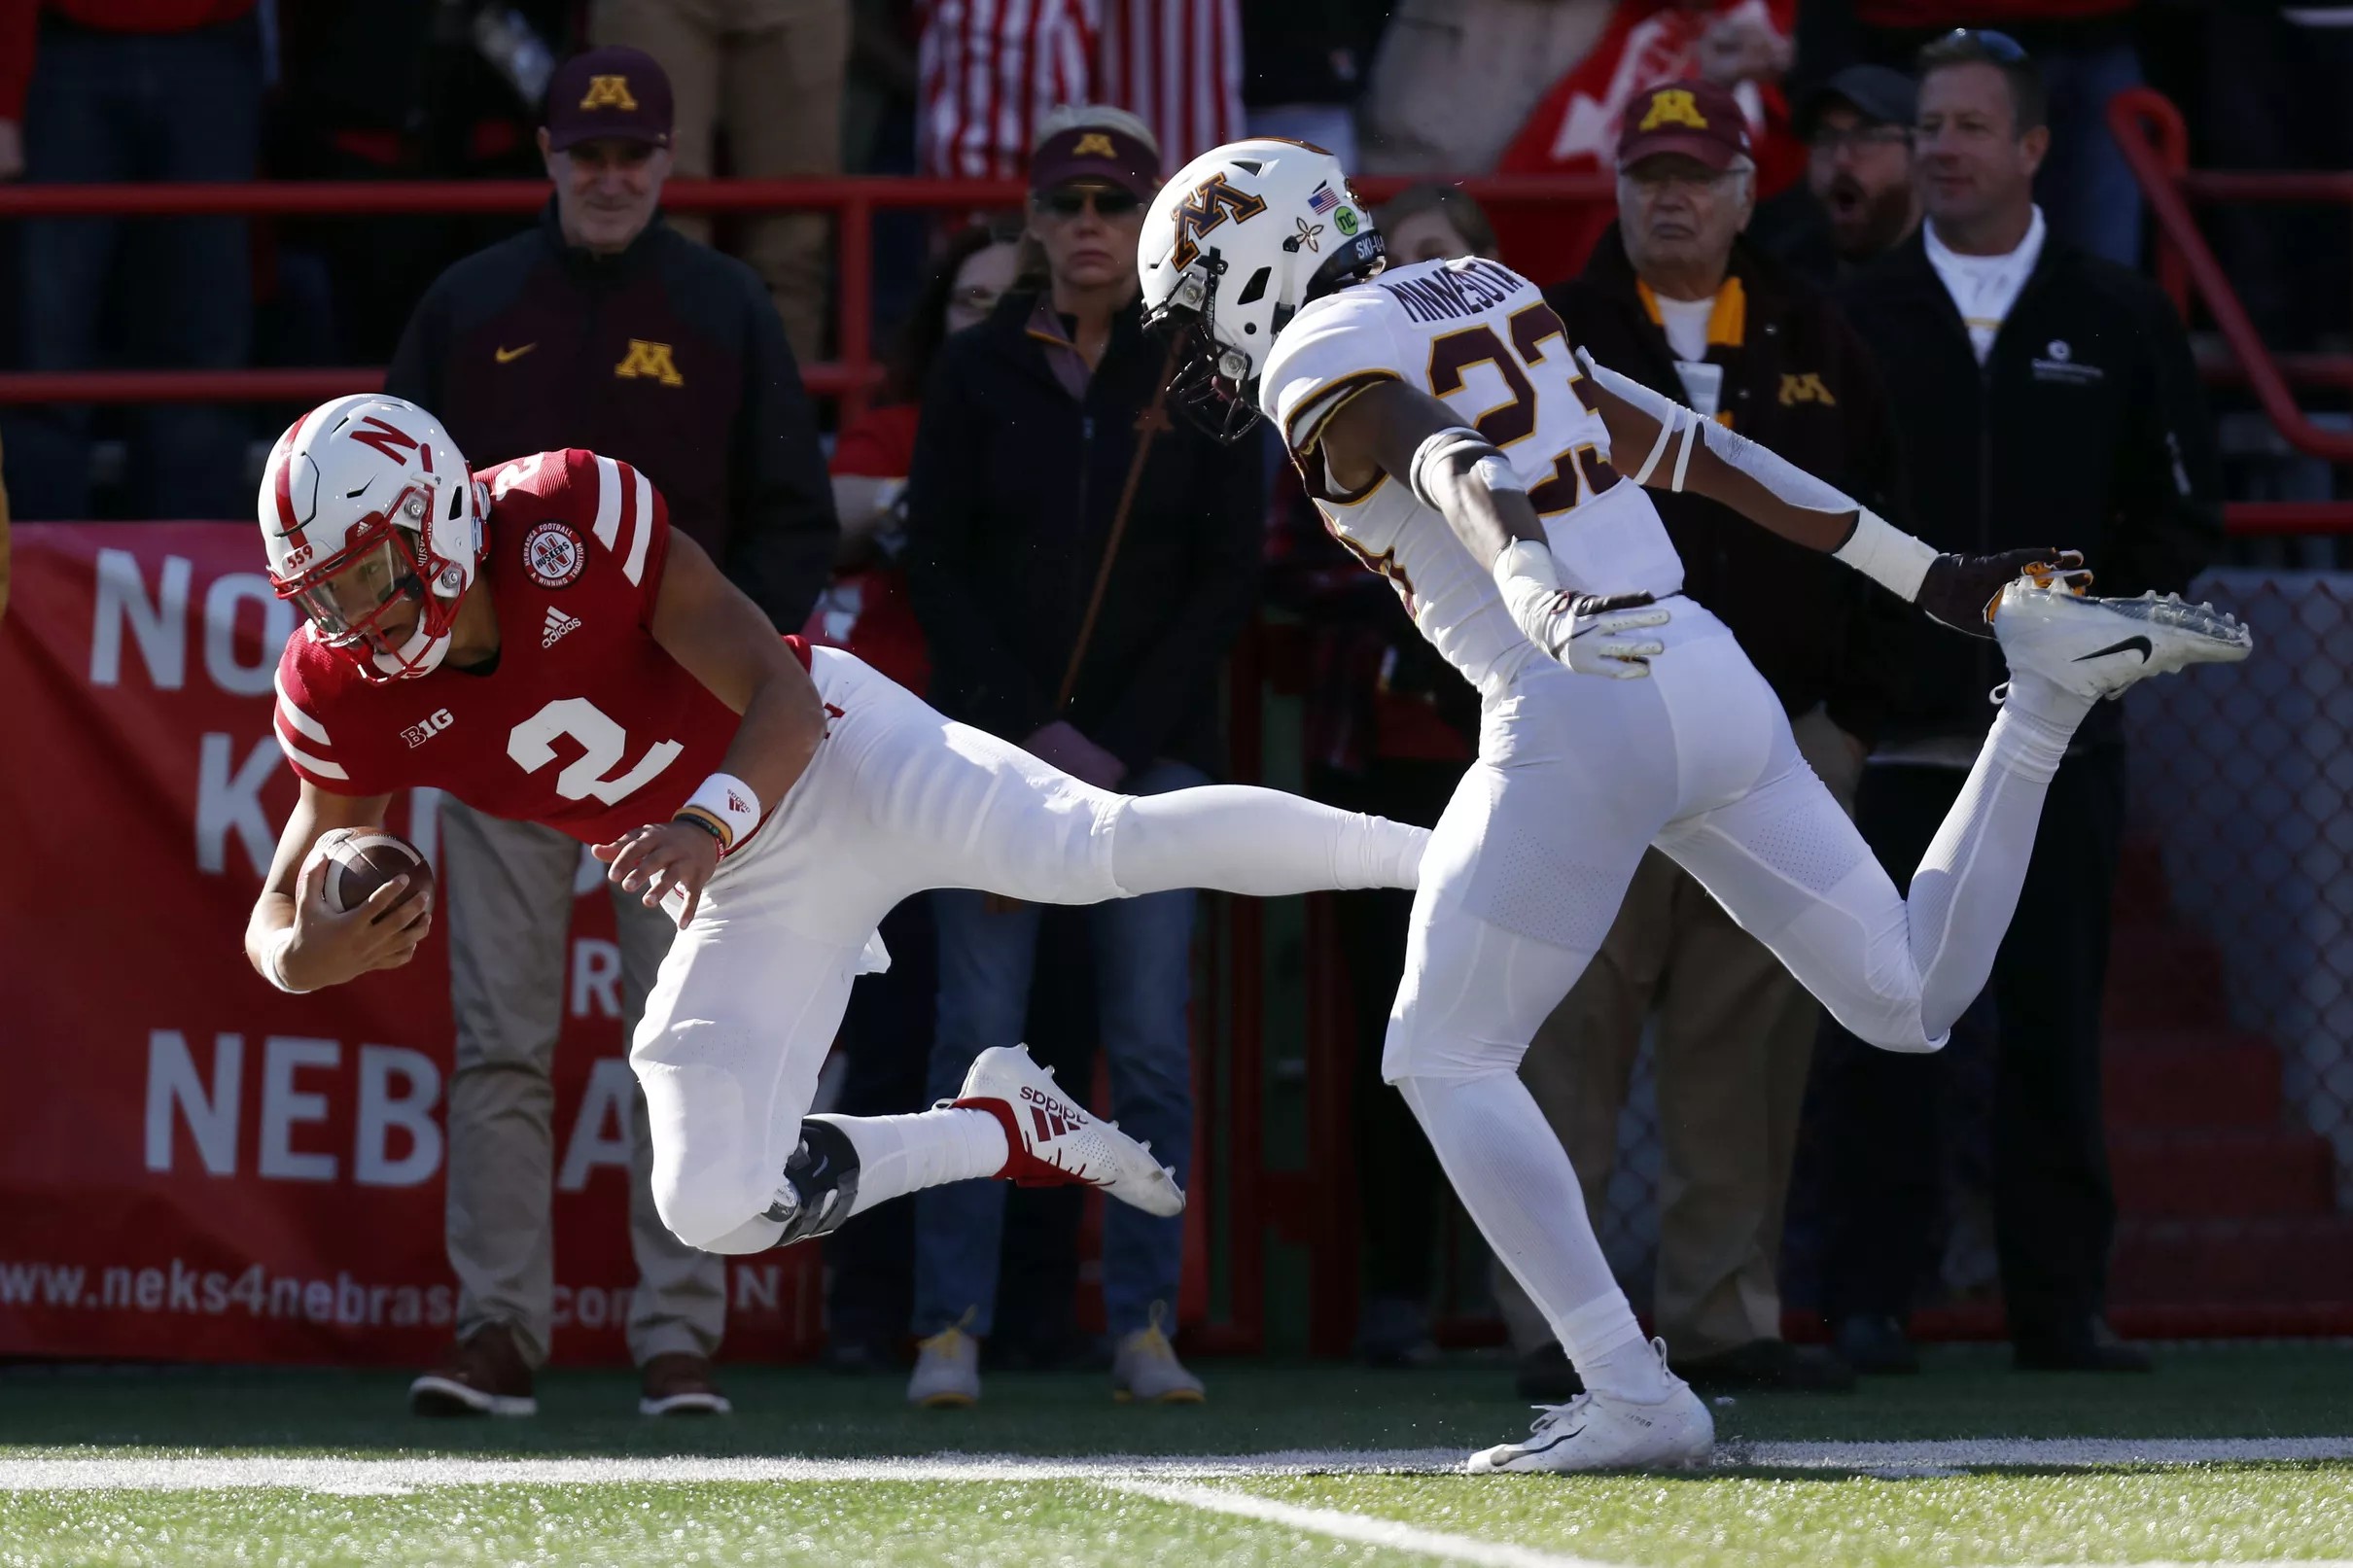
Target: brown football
(362, 860)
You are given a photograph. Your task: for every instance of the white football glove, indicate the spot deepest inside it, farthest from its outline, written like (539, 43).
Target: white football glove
(1587, 632)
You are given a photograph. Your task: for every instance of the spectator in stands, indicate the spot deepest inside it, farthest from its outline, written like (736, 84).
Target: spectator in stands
(1741, 45)
(2042, 397)
(602, 328)
(1435, 223)
(1859, 200)
(1674, 297)
(988, 71)
(887, 1033)
(1080, 562)
(100, 91)
(2086, 51)
(771, 72)
(1308, 61)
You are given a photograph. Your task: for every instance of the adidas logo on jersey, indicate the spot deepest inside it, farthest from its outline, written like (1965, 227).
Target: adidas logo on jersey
(558, 624)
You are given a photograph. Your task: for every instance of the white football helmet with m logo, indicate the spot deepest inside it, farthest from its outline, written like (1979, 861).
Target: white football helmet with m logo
(1234, 245)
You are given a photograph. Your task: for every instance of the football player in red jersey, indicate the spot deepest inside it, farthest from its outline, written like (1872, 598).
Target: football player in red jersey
(535, 640)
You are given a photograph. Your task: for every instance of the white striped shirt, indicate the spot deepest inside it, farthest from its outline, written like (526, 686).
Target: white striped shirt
(989, 70)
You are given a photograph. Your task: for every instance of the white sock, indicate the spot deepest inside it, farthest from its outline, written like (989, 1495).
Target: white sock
(898, 1155)
(1509, 1168)
(1234, 838)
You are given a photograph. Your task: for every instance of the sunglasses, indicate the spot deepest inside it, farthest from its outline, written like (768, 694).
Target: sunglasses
(1070, 201)
(2001, 46)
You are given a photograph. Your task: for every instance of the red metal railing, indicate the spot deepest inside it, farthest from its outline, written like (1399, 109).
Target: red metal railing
(853, 201)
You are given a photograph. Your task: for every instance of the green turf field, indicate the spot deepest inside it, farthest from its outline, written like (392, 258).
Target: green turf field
(2210, 1460)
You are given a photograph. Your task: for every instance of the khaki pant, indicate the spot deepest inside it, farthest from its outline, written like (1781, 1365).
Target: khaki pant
(771, 71)
(1734, 1038)
(507, 894)
(1455, 80)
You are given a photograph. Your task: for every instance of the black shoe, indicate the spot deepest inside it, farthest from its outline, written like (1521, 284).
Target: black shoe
(1545, 1377)
(1768, 1366)
(1874, 1346)
(2092, 1348)
(1393, 1332)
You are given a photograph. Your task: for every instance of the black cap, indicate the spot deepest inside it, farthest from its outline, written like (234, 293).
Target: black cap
(614, 91)
(1878, 93)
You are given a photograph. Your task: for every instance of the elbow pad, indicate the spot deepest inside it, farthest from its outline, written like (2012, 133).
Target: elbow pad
(1437, 459)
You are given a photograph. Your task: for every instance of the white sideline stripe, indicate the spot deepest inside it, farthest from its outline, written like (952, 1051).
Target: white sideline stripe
(1358, 1527)
(206, 1473)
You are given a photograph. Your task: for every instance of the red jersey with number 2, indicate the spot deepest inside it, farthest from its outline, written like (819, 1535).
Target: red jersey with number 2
(583, 723)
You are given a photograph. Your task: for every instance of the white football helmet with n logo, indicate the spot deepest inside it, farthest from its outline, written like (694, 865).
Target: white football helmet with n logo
(366, 506)
(1236, 242)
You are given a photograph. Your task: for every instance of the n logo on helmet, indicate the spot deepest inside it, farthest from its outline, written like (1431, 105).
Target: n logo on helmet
(389, 441)
(1212, 205)
(1674, 106)
(609, 93)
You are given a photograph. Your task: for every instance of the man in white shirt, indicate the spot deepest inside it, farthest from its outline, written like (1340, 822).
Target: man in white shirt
(2038, 391)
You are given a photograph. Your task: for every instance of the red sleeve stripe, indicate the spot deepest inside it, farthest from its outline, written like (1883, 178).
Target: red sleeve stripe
(641, 527)
(293, 715)
(608, 502)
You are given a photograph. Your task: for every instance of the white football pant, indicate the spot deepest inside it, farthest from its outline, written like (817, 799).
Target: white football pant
(1527, 865)
(899, 799)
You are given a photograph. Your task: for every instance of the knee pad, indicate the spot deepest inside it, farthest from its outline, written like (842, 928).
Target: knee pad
(820, 1186)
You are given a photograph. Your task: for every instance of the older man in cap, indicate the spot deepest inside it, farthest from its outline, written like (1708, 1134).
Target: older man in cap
(1675, 298)
(600, 327)
(1859, 200)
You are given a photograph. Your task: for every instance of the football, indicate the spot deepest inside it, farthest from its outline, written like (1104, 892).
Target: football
(362, 860)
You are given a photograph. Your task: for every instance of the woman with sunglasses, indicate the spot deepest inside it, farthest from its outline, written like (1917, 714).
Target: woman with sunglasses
(1079, 564)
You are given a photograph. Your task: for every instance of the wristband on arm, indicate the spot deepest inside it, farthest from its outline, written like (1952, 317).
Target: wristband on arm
(725, 807)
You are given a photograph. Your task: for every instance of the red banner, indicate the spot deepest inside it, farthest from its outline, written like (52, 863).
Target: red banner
(194, 1166)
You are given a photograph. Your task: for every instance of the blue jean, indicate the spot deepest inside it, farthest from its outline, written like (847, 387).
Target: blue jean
(2086, 189)
(112, 107)
(1142, 952)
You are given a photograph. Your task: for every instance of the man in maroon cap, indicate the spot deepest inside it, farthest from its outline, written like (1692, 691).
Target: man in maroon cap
(1676, 298)
(601, 327)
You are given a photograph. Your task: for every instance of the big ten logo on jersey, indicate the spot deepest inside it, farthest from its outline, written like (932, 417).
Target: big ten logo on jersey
(426, 728)
(1579, 469)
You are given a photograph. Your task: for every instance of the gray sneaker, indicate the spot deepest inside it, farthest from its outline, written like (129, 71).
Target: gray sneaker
(1146, 1368)
(947, 1370)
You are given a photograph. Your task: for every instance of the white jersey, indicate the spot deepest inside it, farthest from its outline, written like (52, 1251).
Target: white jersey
(1478, 336)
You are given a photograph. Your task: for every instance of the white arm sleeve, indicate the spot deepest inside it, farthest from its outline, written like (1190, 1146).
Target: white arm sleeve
(1881, 552)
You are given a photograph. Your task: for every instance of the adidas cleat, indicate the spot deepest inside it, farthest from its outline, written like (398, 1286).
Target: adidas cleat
(2097, 648)
(1608, 1432)
(1054, 1143)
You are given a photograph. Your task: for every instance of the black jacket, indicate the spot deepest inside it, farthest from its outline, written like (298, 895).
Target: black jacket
(1010, 503)
(1803, 385)
(2084, 429)
(668, 357)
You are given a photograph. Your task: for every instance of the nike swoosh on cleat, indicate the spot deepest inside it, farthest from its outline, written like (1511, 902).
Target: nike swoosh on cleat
(2130, 644)
(1531, 1453)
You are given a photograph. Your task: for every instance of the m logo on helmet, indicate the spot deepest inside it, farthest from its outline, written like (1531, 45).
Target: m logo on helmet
(1212, 205)
(1674, 106)
(390, 440)
(1094, 144)
(609, 93)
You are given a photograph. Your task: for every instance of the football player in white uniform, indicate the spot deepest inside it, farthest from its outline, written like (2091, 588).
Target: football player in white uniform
(1459, 447)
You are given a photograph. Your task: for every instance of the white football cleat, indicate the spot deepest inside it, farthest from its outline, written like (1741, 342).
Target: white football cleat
(1606, 1432)
(1054, 1143)
(2097, 648)
(947, 1370)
